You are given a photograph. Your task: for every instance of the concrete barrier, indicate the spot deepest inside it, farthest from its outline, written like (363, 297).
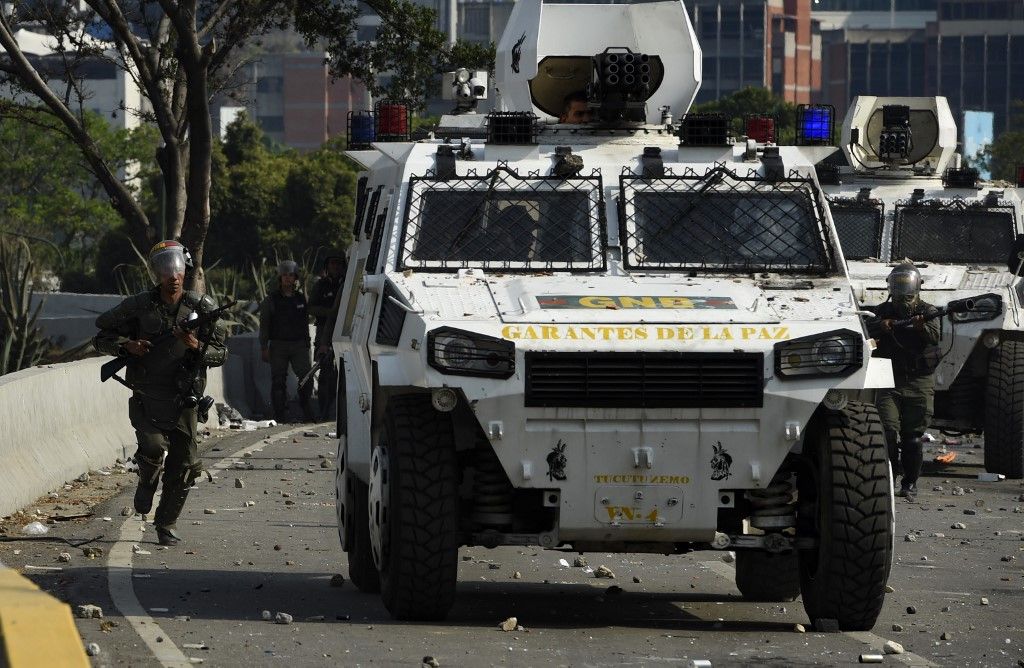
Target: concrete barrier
(58, 421)
(35, 628)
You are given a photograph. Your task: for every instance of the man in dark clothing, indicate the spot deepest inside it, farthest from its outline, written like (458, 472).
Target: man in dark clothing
(907, 408)
(323, 305)
(284, 340)
(166, 376)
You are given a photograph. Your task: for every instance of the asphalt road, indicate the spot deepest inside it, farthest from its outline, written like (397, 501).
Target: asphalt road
(203, 601)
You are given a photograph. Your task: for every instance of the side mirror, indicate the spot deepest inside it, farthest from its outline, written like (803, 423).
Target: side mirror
(1013, 261)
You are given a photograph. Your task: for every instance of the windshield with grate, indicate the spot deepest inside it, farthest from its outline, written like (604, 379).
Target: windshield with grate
(723, 224)
(860, 227)
(953, 233)
(502, 222)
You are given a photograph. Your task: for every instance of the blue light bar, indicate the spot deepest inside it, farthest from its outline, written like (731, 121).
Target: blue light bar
(362, 129)
(814, 124)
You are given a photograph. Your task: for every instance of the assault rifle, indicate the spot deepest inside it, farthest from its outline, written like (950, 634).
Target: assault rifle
(109, 369)
(966, 305)
(321, 360)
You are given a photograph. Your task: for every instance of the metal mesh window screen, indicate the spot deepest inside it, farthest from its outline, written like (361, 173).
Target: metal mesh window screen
(860, 227)
(504, 222)
(953, 231)
(719, 221)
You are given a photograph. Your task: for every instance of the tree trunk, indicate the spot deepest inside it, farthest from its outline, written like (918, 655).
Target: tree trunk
(200, 143)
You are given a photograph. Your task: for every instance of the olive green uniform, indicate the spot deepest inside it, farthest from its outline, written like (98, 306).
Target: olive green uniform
(323, 305)
(284, 331)
(906, 409)
(163, 420)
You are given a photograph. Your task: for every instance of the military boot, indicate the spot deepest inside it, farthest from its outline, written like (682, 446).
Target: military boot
(167, 536)
(172, 501)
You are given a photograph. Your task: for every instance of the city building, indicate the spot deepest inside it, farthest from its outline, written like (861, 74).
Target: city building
(773, 44)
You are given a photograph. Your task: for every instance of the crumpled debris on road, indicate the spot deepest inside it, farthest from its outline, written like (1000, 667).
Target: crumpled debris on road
(89, 611)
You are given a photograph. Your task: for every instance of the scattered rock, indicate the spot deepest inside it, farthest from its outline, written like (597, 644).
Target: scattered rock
(517, 576)
(239, 483)
(209, 511)
(889, 589)
(938, 535)
(897, 628)
(984, 601)
(892, 647)
(946, 636)
(430, 662)
(278, 467)
(729, 557)
(289, 563)
(911, 610)
(337, 580)
(636, 580)
(282, 618)
(250, 504)
(92, 649)
(910, 538)
(277, 548)
(108, 625)
(266, 615)
(493, 567)
(127, 511)
(509, 624)
(83, 478)
(946, 608)
(937, 488)
(89, 611)
(579, 562)
(65, 557)
(958, 491)
(959, 525)
(604, 572)
(799, 628)
(92, 552)
(310, 434)
(326, 464)
(1007, 558)
(970, 511)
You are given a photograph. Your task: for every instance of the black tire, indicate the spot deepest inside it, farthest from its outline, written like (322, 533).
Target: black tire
(764, 576)
(845, 503)
(361, 569)
(419, 567)
(1004, 411)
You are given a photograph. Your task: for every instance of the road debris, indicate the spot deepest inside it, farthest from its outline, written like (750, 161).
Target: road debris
(604, 572)
(337, 580)
(430, 662)
(35, 529)
(579, 562)
(799, 628)
(892, 647)
(871, 658)
(509, 624)
(92, 552)
(89, 611)
(209, 511)
(64, 557)
(266, 615)
(282, 618)
(92, 649)
(239, 483)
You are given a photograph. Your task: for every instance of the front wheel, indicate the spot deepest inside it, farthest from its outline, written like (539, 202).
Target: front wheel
(414, 520)
(1004, 411)
(845, 504)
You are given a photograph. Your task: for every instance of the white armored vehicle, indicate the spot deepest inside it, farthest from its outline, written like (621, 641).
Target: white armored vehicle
(906, 196)
(622, 336)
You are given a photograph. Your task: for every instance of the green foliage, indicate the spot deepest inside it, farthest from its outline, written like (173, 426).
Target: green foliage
(284, 203)
(21, 343)
(48, 194)
(759, 101)
(1004, 155)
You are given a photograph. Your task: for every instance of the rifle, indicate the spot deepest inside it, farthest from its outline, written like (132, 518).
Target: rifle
(109, 369)
(320, 361)
(965, 305)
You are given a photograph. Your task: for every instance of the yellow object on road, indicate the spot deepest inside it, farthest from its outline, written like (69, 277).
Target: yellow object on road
(35, 628)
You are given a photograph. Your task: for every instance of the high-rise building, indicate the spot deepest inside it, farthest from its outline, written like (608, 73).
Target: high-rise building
(767, 43)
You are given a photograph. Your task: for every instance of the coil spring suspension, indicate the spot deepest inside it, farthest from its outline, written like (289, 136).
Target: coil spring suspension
(492, 491)
(774, 507)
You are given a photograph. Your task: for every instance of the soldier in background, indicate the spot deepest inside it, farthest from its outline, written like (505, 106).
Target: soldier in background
(166, 374)
(323, 305)
(284, 340)
(907, 408)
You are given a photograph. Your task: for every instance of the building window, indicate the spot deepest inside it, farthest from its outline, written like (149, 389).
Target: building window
(270, 84)
(271, 123)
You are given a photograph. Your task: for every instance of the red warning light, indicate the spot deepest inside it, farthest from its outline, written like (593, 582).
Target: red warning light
(761, 129)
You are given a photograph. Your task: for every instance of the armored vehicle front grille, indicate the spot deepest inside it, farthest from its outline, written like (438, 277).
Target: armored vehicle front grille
(645, 380)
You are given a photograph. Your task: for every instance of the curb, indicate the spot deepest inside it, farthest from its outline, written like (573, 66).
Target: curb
(35, 628)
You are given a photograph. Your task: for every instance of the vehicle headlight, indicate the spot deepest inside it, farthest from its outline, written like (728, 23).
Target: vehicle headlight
(460, 353)
(830, 353)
